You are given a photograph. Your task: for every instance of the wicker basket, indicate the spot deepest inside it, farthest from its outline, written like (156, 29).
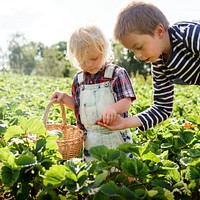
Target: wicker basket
(73, 137)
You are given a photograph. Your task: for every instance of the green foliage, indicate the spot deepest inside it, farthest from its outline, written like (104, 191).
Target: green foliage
(165, 163)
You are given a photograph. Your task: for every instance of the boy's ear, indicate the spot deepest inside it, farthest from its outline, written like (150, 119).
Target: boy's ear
(159, 31)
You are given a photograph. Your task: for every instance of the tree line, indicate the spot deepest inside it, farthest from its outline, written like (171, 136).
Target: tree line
(34, 58)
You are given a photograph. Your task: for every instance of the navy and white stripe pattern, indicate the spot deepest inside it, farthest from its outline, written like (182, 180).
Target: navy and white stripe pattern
(183, 64)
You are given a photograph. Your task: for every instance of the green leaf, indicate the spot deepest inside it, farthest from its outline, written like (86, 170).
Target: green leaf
(98, 151)
(150, 156)
(128, 147)
(72, 176)
(186, 136)
(140, 193)
(40, 146)
(193, 174)
(194, 153)
(13, 131)
(26, 160)
(163, 193)
(9, 176)
(135, 168)
(142, 149)
(185, 161)
(55, 175)
(99, 195)
(168, 194)
(110, 189)
(152, 193)
(161, 183)
(100, 178)
(111, 156)
(6, 156)
(37, 127)
(127, 193)
(169, 165)
(23, 123)
(51, 144)
(82, 177)
(175, 175)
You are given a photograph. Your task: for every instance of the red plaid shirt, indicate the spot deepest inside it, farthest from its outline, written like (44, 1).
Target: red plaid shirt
(121, 84)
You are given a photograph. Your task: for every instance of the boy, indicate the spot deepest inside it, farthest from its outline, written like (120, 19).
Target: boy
(173, 50)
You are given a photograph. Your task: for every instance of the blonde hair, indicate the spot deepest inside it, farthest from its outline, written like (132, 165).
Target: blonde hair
(139, 17)
(85, 38)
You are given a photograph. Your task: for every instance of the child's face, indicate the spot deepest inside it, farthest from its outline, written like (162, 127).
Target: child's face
(93, 61)
(145, 47)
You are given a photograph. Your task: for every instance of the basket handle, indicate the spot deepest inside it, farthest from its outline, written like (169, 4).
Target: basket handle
(46, 112)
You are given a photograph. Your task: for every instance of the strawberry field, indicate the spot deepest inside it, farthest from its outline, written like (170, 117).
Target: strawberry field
(166, 163)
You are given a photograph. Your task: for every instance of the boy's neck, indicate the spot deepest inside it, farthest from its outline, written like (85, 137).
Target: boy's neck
(167, 45)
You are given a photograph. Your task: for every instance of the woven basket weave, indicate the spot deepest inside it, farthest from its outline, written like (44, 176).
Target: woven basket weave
(73, 137)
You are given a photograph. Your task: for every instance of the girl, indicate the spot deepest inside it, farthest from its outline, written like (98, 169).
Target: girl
(99, 90)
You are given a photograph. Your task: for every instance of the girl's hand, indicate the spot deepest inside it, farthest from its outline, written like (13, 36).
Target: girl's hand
(59, 96)
(109, 115)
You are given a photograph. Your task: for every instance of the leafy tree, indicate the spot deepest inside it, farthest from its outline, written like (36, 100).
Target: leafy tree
(23, 56)
(51, 64)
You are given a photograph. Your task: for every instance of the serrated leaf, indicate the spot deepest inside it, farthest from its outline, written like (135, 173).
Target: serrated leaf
(13, 131)
(193, 174)
(169, 165)
(169, 195)
(111, 156)
(26, 160)
(152, 193)
(186, 136)
(150, 156)
(6, 156)
(135, 168)
(55, 175)
(9, 176)
(98, 151)
(36, 127)
(110, 189)
(175, 175)
(100, 178)
(185, 161)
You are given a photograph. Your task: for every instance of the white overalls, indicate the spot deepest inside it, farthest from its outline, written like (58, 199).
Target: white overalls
(93, 99)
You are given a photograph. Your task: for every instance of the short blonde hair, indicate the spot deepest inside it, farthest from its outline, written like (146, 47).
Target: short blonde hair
(139, 17)
(84, 38)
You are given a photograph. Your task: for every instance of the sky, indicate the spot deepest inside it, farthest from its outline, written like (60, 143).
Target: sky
(51, 21)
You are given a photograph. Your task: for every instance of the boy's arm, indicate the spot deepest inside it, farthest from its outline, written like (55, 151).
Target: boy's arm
(163, 101)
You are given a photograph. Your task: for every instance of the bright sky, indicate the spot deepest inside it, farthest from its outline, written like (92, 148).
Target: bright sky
(51, 21)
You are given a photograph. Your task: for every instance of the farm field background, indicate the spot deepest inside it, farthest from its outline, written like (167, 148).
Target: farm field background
(170, 151)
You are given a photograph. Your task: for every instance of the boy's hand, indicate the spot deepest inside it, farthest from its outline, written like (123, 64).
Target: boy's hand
(116, 124)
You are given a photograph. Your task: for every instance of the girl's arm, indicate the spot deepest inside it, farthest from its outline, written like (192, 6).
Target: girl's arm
(122, 105)
(110, 112)
(63, 97)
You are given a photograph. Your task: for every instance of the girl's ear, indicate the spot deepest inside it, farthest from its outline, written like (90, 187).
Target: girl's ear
(159, 31)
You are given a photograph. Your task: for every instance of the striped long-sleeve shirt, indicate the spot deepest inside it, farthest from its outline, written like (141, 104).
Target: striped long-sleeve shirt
(184, 64)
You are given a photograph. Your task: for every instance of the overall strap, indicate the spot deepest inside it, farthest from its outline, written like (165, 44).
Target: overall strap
(109, 71)
(80, 77)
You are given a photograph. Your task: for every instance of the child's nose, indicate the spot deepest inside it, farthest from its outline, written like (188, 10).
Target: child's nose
(138, 55)
(88, 63)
